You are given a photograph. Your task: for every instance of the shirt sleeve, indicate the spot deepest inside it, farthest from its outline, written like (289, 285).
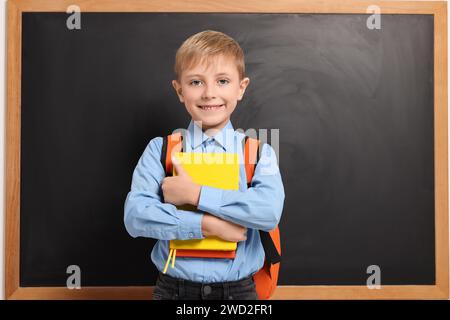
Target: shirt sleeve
(258, 207)
(144, 213)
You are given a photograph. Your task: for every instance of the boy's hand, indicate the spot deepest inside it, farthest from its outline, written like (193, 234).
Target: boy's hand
(213, 226)
(180, 189)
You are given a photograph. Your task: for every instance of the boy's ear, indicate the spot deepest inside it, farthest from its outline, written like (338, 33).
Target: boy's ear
(178, 90)
(242, 86)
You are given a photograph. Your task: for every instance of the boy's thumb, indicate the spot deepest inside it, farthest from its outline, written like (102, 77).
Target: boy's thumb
(177, 165)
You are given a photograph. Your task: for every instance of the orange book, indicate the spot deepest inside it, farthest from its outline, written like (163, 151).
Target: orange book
(184, 253)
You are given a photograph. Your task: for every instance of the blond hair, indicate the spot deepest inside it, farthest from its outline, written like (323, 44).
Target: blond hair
(207, 45)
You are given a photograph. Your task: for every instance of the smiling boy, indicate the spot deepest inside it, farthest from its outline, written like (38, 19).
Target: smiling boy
(210, 80)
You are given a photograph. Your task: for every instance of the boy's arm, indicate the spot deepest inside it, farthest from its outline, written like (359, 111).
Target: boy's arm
(144, 213)
(259, 207)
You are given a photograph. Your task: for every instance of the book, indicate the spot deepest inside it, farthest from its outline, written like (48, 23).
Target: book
(218, 170)
(209, 243)
(206, 254)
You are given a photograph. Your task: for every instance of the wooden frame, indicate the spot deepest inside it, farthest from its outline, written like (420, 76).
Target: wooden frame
(13, 121)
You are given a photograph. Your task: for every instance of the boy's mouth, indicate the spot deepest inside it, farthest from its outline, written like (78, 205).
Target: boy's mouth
(212, 107)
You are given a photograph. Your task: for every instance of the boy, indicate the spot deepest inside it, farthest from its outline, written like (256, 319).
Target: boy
(210, 80)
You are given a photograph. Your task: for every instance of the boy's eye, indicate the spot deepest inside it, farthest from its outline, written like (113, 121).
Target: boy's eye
(194, 82)
(223, 81)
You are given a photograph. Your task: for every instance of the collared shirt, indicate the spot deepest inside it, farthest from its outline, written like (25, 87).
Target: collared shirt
(257, 208)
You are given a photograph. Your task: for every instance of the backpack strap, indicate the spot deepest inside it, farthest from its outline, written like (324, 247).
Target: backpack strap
(251, 158)
(171, 143)
(270, 249)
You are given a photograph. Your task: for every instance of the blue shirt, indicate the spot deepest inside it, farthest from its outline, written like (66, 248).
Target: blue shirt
(257, 208)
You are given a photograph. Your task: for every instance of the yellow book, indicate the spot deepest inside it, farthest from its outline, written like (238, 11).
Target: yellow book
(218, 170)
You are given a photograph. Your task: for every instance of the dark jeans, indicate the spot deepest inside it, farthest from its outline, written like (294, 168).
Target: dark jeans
(169, 288)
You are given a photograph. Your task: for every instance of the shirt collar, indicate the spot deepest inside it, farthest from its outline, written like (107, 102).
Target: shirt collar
(223, 137)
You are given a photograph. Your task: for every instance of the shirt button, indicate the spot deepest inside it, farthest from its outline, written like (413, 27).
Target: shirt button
(191, 235)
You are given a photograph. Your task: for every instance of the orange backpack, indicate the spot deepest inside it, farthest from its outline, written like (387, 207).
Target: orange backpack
(267, 277)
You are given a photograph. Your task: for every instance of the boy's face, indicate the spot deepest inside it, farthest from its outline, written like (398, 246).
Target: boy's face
(211, 94)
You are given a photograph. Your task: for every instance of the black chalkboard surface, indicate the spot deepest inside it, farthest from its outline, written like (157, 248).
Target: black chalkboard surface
(354, 108)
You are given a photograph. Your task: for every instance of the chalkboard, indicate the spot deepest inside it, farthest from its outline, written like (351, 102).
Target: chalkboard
(354, 107)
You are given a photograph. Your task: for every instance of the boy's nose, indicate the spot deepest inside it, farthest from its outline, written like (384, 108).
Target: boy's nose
(208, 93)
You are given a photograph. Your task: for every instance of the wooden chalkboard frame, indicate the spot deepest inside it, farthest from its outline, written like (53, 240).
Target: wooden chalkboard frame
(15, 8)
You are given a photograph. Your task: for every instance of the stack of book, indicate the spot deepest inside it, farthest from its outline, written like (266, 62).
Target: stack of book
(218, 170)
